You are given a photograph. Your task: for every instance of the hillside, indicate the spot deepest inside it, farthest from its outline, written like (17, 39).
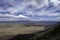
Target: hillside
(49, 34)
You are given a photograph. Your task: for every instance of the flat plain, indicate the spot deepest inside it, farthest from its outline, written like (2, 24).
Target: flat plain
(10, 30)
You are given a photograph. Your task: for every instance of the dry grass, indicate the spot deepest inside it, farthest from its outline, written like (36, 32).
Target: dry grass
(9, 30)
(14, 29)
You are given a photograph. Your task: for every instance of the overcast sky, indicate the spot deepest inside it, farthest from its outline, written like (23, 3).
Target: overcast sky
(34, 10)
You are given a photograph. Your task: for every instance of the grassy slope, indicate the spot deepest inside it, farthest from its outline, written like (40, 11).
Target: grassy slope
(10, 30)
(49, 34)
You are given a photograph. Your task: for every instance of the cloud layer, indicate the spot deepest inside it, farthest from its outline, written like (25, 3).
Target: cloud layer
(34, 10)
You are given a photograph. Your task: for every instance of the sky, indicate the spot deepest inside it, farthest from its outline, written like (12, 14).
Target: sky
(33, 10)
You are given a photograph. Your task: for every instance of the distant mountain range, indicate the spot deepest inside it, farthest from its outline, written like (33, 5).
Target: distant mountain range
(27, 22)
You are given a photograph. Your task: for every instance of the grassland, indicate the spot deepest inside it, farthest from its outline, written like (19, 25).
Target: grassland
(10, 30)
(28, 32)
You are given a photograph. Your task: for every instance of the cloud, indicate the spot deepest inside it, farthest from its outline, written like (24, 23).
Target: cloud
(56, 2)
(29, 12)
(8, 17)
(58, 18)
(12, 16)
